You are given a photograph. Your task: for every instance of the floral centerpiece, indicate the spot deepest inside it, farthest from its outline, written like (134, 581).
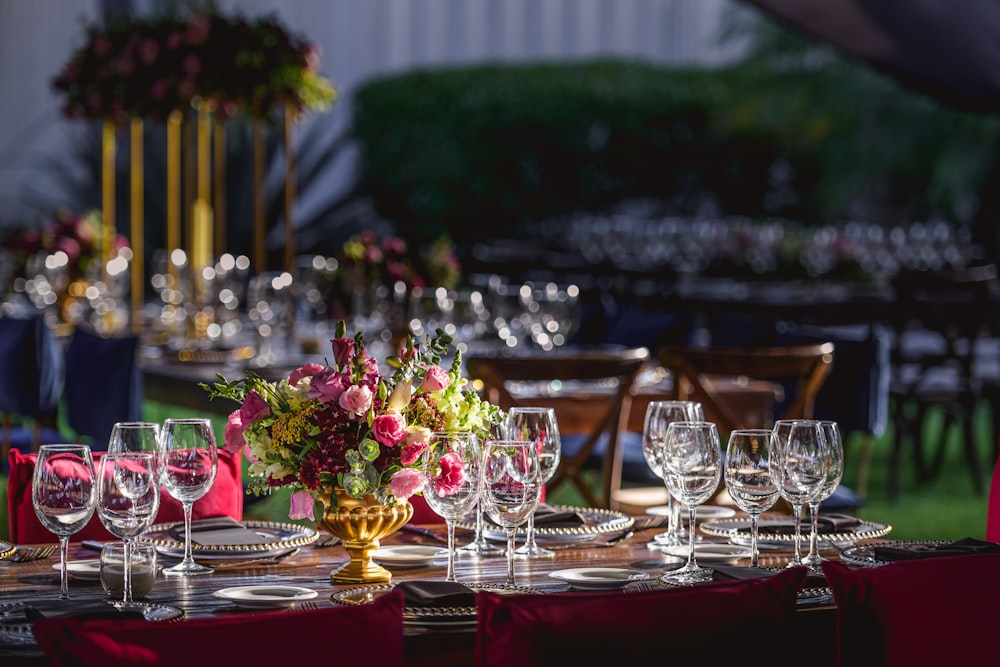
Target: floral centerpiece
(345, 426)
(366, 259)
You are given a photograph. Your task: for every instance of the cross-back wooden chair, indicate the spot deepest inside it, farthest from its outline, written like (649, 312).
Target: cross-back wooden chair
(805, 367)
(598, 413)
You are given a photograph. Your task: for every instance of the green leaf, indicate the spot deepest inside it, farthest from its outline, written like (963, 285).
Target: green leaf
(370, 449)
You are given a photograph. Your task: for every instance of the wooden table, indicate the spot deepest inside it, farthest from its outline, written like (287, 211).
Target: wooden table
(311, 568)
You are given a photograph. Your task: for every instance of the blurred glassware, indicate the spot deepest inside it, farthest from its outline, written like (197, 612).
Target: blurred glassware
(271, 309)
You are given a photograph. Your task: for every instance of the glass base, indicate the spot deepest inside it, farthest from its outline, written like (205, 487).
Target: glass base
(186, 569)
(687, 575)
(480, 547)
(533, 551)
(814, 561)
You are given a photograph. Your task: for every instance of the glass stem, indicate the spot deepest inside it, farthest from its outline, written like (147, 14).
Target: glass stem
(813, 529)
(797, 511)
(674, 520)
(63, 572)
(510, 556)
(478, 539)
(529, 541)
(450, 576)
(127, 572)
(754, 555)
(692, 562)
(188, 558)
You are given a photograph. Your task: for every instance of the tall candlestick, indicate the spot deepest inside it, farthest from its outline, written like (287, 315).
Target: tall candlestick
(173, 189)
(137, 240)
(219, 180)
(107, 195)
(201, 238)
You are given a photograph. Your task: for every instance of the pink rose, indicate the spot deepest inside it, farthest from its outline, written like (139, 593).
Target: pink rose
(328, 385)
(389, 429)
(234, 433)
(356, 398)
(301, 506)
(254, 407)
(410, 452)
(304, 371)
(406, 482)
(452, 474)
(436, 379)
(343, 350)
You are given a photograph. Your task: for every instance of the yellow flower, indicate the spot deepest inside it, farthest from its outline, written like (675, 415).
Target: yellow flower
(289, 429)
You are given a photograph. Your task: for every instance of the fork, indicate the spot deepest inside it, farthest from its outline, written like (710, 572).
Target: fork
(28, 554)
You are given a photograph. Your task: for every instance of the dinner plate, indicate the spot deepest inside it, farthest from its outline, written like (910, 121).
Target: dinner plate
(280, 538)
(738, 531)
(86, 570)
(596, 522)
(709, 552)
(702, 513)
(863, 555)
(265, 596)
(408, 555)
(599, 578)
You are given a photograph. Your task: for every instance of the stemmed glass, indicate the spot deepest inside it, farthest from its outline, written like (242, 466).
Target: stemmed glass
(537, 425)
(480, 546)
(748, 477)
(659, 415)
(692, 466)
(64, 495)
(799, 466)
(511, 487)
(834, 454)
(188, 460)
(451, 469)
(134, 437)
(128, 497)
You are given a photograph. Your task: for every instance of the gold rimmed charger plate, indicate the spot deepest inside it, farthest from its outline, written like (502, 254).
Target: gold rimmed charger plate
(738, 531)
(6, 549)
(280, 537)
(597, 521)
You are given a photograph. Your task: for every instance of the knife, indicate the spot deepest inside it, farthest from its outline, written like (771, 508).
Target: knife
(426, 532)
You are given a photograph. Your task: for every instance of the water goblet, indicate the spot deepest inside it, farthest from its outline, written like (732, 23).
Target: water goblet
(692, 466)
(537, 425)
(799, 468)
(511, 487)
(834, 454)
(64, 495)
(748, 477)
(659, 415)
(188, 460)
(128, 497)
(134, 437)
(451, 471)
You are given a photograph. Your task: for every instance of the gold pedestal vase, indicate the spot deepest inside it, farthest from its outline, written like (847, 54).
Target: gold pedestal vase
(360, 524)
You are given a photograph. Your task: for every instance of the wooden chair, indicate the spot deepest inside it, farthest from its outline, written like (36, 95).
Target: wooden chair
(600, 413)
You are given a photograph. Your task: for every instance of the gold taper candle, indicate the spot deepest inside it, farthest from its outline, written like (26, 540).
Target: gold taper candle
(219, 182)
(201, 229)
(201, 238)
(107, 194)
(259, 222)
(173, 187)
(289, 188)
(137, 241)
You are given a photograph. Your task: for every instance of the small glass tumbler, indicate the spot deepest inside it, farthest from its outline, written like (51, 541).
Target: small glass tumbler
(143, 569)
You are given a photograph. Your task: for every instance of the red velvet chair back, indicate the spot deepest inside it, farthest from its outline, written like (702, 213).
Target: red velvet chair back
(993, 509)
(225, 498)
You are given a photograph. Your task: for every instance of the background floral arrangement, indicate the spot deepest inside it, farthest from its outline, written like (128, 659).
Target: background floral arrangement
(347, 426)
(366, 259)
(148, 69)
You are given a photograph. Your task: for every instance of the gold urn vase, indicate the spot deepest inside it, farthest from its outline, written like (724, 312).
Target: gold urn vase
(360, 524)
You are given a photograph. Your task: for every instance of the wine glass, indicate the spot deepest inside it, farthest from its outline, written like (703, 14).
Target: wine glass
(451, 469)
(511, 487)
(128, 497)
(480, 546)
(659, 415)
(834, 454)
(64, 495)
(748, 477)
(799, 467)
(188, 460)
(537, 425)
(134, 437)
(692, 466)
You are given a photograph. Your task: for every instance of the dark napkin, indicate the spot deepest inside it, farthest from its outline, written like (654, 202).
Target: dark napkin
(963, 547)
(827, 524)
(730, 572)
(436, 594)
(83, 609)
(218, 531)
(549, 517)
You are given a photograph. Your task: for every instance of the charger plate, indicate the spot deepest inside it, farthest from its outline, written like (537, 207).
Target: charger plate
(597, 521)
(280, 537)
(738, 531)
(863, 555)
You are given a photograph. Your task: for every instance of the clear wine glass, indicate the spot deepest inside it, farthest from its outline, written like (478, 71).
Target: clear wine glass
(134, 437)
(834, 454)
(748, 478)
(128, 497)
(511, 487)
(799, 468)
(692, 466)
(188, 460)
(480, 546)
(659, 415)
(451, 468)
(537, 425)
(64, 495)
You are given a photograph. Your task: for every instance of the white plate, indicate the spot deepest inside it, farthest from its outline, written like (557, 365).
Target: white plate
(258, 597)
(703, 512)
(598, 578)
(408, 555)
(86, 570)
(707, 552)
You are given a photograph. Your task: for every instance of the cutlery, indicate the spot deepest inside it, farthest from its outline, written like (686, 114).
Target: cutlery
(28, 554)
(426, 532)
(263, 560)
(617, 539)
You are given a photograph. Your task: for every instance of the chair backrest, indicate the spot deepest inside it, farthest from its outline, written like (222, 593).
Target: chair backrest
(993, 509)
(225, 498)
(806, 365)
(606, 415)
(103, 385)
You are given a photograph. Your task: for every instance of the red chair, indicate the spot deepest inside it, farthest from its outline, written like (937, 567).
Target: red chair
(615, 628)
(225, 498)
(993, 509)
(931, 611)
(370, 635)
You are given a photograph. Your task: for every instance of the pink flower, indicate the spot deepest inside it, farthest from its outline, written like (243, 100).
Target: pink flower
(406, 482)
(356, 399)
(304, 371)
(301, 506)
(436, 379)
(234, 432)
(254, 408)
(389, 429)
(328, 385)
(411, 451)
(343, 350)
(452, 474)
